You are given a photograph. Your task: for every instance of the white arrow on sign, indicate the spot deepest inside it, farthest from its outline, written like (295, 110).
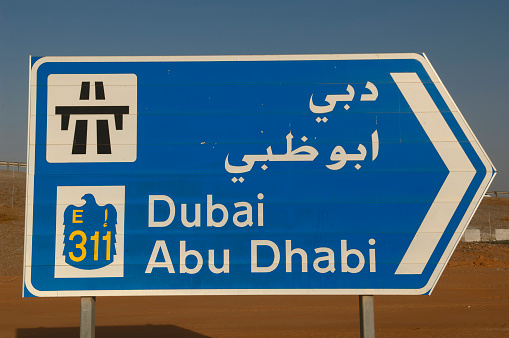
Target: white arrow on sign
(461, 173)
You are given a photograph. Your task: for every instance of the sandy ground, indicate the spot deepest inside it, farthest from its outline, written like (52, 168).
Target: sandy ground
(470, 300)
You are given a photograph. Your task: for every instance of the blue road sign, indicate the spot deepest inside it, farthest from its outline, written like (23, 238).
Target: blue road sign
(301, 174)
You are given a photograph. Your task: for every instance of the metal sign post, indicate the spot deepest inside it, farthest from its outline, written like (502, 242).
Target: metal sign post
(87, 317)
(367, 316)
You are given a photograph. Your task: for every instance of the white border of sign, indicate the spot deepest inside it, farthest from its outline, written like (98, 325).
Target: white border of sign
(412, 262)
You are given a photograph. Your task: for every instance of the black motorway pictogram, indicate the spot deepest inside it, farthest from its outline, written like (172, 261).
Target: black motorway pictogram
(79, 145)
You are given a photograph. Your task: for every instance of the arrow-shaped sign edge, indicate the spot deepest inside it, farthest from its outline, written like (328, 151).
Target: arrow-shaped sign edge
(461, 173)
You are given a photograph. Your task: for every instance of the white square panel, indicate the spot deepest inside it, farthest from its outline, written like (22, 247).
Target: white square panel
(91, 118)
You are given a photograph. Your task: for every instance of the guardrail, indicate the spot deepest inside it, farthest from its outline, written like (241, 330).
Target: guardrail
(9, 164)
(496, 193)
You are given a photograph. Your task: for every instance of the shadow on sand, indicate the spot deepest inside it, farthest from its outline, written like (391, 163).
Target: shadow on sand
(153, 331)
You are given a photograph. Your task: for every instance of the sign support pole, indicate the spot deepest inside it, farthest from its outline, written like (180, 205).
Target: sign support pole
(367, 316)
(87, 317)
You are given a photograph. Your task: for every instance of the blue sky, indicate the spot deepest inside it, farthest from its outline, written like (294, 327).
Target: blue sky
(466, 41)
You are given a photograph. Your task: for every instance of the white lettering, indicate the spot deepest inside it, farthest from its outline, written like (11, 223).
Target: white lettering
(289, 253)
(159, 224)
(248, 212)
(260, 210)
(210, 209)
(160, 246)
(196, 222)
(330, 258)
(183, 256)
(254, 256)
(226, 262)
(372, 259)
(344, 259)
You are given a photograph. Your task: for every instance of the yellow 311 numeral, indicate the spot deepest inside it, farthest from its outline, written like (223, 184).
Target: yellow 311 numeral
(107, 238)
(95, 238)
(80, 246)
